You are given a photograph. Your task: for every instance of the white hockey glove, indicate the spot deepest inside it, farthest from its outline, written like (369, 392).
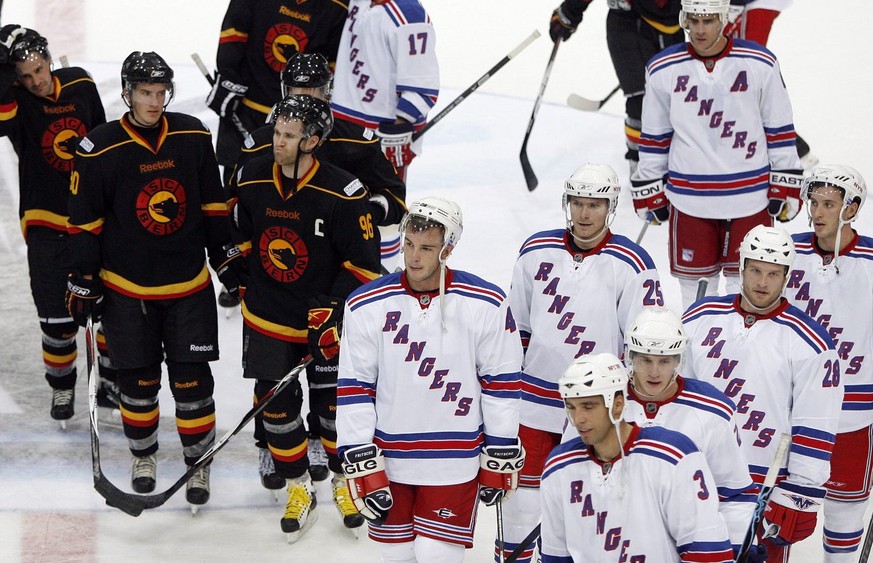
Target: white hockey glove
(498, 472)
(734, 26)
(364, 468)
(396, 139)
(791, 513)
(784, 194)
(225, 96)
(650, 201)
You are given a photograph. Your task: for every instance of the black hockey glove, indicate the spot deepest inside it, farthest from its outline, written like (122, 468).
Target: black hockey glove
(563, 23)
(231, 270)
(325, 326)
(225, 96)
(8, 34)
(84, 298)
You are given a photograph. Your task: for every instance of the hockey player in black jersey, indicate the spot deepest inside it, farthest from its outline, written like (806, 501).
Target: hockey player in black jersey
(44, 112)
(145, 201)
(308, 233)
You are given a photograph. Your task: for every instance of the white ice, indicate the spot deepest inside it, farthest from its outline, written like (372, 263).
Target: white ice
(48, 508)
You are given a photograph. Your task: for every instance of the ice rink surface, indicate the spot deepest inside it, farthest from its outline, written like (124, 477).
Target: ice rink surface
(48, 508)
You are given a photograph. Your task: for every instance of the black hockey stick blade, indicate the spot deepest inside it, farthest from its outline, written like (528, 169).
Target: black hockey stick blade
(530, 177)
(475, 86)
(584, 104)
(525, 543)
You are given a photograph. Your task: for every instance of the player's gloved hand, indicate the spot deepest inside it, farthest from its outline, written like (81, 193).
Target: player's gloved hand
(784, 194)
(757, 554)
(230, 267)
(8, 34)
(563, 23)
(396, 139)
(325, 326)
(84, 298)
(498, 472)
(735, 21)
(364, 468)
(650, 201)
(379, 208)
(225, 96)
(790, 513)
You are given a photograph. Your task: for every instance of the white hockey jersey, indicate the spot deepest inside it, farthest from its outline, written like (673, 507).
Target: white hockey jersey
(781, 371)
(715, 128)
(386, 64)
(843, 304)
(568, 303)
(429, 398)
(657, 503)
(702, 413)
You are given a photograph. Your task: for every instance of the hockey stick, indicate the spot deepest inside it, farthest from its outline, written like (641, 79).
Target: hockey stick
(642, 232)
(584, 104)
(500, 541)
(702, 283)
(234, 118)
(763, 495)
(868, 544)
(134, 504)
(529, 175)
(473, 87)
(525, 543)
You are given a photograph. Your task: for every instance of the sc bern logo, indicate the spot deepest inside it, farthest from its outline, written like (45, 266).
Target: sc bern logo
(53, 142)
(282, 41)
(161, 206)
(283, 254)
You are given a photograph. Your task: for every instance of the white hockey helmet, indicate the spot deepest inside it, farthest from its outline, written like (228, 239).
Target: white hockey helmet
(767, 244)
(704, 8)
(595, 181)
(839, 176)
(438, 210)
(656, 331)
(594, 375)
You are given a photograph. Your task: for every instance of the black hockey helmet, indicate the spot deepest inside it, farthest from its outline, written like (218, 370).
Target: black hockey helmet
(27, 43)
(146, 68)
(315, 115)
(307, 70)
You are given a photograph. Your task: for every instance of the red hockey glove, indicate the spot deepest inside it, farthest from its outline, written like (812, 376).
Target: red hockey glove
(225, 96)
(325, 326)
(396, 141)
(563, 23)
(84, 298)
(734, 25)
(498, 472)
(784, 194)
(364, 468)
(791, 512)
(650, 201)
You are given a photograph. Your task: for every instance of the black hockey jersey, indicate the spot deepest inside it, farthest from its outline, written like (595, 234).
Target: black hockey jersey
(144, 203)
(43, 132)
(660, 14)
(315, 238)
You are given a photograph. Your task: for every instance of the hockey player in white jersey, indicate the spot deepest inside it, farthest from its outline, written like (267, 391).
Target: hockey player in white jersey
(780, 368)
(836, 289)
(574, 290)
(428, 391)
(618, 492)
(717, 149)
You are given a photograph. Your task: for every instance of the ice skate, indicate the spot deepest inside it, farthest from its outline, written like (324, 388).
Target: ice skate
(269, 478)
(300, 512)
(228, 302)
(318, 469)
(107, 403)
(62, 405)
(144, 473)
(352, 519)
(197, 489)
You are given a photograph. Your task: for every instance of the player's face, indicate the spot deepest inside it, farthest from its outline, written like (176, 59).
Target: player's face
(34, 73)
(653, 375)
(588, 215)
(704, 32)
(287, 136)
(421, 256)
(147, 103)
(825, 206)
(591, 419)
(763, 283)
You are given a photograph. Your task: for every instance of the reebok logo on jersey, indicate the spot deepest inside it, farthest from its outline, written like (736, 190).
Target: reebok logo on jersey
(201, 348)
(352, 188)
(159, 165)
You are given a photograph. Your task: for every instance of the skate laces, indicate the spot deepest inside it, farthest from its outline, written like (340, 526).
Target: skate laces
(299, 501)
(62, 397)
(342, 498)
(200, 479)
(145, 467)
(316, 453)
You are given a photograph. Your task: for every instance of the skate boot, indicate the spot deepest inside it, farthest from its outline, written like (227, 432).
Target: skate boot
(107, 402)
(300, 512)
(269, 478)
(318, 469)
(144, 473)
(62, 405)
(352, 519)
(197, 489)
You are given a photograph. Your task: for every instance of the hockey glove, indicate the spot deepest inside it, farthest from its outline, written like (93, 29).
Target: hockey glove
(8, 34)
(396, 139)
(225, 96)
(650, 201)
(379, 208)
(790, 513)
(84, 298)
(325, 326)
(364, 468)
(734, 25)
(784, 194)
(757, 554)
(498, 472)
(563, 24)
(230, 267)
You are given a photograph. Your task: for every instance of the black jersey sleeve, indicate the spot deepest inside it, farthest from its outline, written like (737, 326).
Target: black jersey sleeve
(235, 30)
(354, 241)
